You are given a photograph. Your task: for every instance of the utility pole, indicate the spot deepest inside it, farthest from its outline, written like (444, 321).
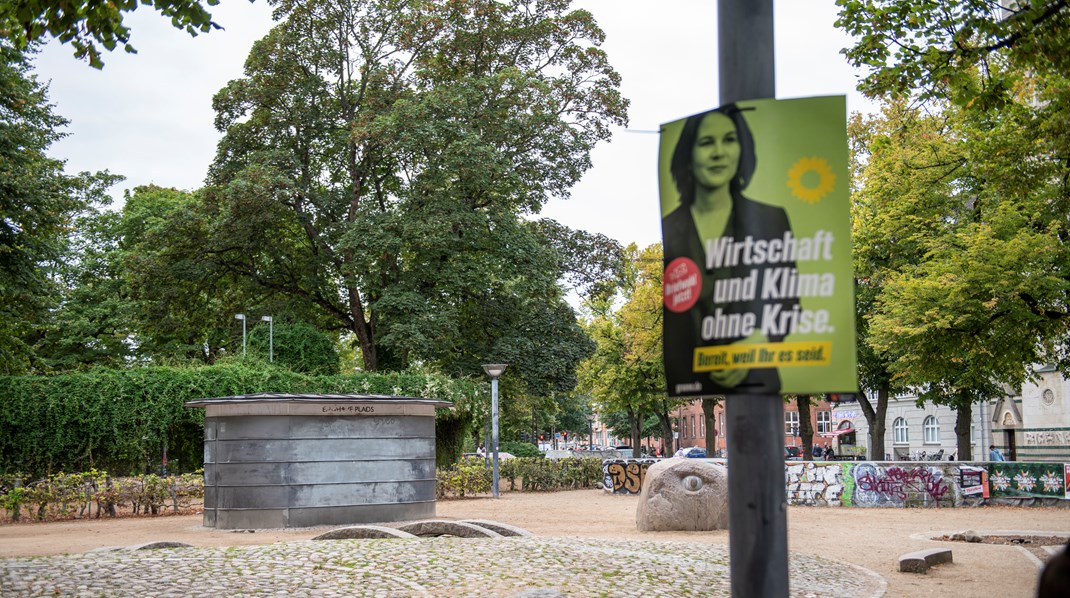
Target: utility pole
(757, 501)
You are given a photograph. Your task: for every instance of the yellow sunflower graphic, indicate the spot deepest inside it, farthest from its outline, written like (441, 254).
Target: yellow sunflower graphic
(811, 179)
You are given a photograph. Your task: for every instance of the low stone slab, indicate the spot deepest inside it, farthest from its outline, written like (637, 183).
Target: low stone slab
(363, 532)
(920, 561)
(503, 529)
(438, 527)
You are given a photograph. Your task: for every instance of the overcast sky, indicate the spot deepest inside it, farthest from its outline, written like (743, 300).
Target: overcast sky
(149, 117)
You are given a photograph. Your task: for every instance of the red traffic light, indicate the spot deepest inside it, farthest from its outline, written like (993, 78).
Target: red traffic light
(542, 436)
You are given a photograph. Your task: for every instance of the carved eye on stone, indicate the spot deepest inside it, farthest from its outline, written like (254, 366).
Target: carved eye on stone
(693, 483)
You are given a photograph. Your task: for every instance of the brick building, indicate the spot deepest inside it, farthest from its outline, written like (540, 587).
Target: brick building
(690, 425)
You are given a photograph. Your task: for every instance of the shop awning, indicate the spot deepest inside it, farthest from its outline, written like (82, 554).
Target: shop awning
(835, 433)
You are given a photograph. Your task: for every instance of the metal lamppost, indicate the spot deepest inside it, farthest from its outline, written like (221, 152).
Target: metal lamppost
(494, 370)
(271, 337)
(242, 318)
(590, 432)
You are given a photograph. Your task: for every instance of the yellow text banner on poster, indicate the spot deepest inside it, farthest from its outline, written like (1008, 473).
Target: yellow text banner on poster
(782, 355)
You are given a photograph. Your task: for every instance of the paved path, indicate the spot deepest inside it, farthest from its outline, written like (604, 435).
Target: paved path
(444, 566)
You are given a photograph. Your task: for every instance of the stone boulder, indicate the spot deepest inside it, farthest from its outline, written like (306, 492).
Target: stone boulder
(682, 494)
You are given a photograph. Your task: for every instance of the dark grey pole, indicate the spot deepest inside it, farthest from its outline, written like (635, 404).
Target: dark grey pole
(757, 503)
(494, 435)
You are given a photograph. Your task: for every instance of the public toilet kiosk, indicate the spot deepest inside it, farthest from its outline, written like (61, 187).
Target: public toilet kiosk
(304, 460)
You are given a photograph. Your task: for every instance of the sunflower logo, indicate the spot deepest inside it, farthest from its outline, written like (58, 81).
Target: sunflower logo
(811, 179)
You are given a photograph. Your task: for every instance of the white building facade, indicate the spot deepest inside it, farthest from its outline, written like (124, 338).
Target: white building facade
(1033, 426)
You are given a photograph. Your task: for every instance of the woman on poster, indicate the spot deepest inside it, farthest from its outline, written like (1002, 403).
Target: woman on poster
(711, 165)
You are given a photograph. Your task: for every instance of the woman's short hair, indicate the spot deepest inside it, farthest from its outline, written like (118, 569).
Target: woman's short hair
(680, 167)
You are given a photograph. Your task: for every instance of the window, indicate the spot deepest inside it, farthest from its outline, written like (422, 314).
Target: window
(693, 434)
(900, 431)
(702, 426)
(824, 421)
(791, 423)
(931, 428)
(683, 427)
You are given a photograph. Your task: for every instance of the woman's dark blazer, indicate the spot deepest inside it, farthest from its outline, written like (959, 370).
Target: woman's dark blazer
(682, 330)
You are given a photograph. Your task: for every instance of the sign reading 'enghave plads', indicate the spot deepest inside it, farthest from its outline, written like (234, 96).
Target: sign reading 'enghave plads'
(758, 287)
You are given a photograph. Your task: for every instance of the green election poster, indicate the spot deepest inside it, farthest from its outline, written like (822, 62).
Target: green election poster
(758, 288)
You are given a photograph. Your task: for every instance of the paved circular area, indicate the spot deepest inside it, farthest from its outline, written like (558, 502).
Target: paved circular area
(426, 567)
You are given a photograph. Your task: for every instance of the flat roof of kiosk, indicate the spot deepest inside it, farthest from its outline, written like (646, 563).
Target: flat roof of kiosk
(279, 397)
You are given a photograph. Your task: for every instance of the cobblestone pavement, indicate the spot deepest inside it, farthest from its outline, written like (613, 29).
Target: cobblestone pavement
(444, 566)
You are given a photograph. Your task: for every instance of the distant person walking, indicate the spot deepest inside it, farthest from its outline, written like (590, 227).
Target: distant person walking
(994, 454)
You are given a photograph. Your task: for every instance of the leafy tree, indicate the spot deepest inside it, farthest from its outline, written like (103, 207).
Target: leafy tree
(39, 206)
(974, 219)
(86, 23)
(93, 321)
(976, 272)
(184, 302)
(298, 346)
(378, 159)
(626, 373)
(967, 51)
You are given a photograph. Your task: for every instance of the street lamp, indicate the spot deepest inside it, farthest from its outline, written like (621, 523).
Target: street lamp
(271, 337)
(242, 318)
(494, 370)
(590, 432)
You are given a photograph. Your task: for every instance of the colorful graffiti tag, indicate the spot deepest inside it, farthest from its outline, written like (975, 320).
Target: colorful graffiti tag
(814, 483)
(903, 485)
(625, 476)
(1039, 480)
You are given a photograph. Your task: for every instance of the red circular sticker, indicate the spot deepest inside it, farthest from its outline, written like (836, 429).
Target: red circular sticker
(681, 284)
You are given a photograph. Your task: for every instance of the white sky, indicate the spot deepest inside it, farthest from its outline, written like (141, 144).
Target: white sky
(149, 117)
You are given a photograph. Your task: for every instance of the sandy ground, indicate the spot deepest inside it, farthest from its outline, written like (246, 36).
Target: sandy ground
(871, 538)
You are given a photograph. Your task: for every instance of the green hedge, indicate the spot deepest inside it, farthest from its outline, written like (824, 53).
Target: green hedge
(534, 474)
(118, 420)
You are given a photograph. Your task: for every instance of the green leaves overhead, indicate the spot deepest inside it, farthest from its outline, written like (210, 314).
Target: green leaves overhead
(957, 49)
(86, 23)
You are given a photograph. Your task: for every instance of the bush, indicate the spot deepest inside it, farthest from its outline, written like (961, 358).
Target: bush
(68, 496)
(466, 477)
(540, 474)
(521, 449)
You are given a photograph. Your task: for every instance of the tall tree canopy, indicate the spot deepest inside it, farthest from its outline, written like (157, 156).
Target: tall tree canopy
(39, 206)
(379, 160)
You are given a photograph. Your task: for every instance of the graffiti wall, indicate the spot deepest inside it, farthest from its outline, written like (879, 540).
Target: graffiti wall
(888, 484)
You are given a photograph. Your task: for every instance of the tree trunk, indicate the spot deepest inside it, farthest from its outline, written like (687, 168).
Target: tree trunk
(877, 420)
(364, 331)
(964, 417)
(665, 424)
(711, 425)
(806, 429)
(636, 420)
